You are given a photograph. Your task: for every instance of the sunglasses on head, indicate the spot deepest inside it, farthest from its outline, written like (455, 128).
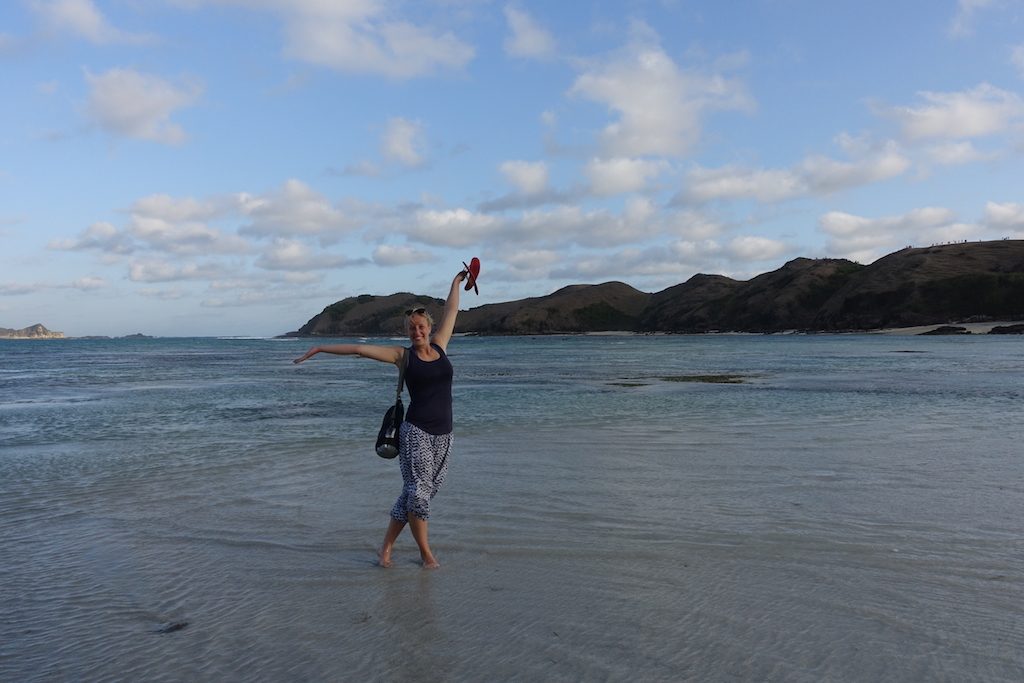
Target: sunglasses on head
(416, 311)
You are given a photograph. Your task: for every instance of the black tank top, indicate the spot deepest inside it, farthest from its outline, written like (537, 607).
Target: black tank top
(430, 386)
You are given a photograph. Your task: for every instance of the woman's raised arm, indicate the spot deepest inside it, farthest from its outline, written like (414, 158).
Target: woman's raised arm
(451, 310)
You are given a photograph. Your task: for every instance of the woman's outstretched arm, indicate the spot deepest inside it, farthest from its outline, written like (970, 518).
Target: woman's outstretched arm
(385, 354)
(451, 310)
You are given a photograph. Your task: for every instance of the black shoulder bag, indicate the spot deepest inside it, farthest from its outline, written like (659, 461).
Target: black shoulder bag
(387, 438)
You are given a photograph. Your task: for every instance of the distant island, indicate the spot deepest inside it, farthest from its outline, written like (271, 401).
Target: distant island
(137, 335)
(36, 331)
(39, 331)
(937, 285)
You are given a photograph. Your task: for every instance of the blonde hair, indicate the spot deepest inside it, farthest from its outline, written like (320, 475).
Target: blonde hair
(418, 310)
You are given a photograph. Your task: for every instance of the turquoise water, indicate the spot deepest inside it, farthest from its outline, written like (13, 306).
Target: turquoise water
(849, 511)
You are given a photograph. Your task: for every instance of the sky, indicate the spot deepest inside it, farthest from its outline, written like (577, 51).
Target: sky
(231, 167)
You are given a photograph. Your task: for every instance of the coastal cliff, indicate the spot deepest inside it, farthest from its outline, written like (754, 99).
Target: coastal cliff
(964, 282)
(36, 331)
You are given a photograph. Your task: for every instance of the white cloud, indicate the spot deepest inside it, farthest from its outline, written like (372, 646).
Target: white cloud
(284, 254)
(602, 267)
(620, 175)
(531, 258)
(83, 18)
(823, 175)
(528, 177)
(865, 239)
(186, 237)
(163, 271)
(660, 106)
(163, 294)
(732, 182)
(983, 110)
(956, 153)
(160, 223)
(846, 225)
(359, 36)
(691, 225)
(403, 141)
(137, 105)
(814, 175)
(174, 209)
(660, 264)
(566, 225)
(963, 21)
(691, 251)
(100, 236)
(264, 281)
(366, 169)
(295, 209)
(400, 255)
(753, 248)
(1017, 58)
(453, 227)
(528, 39)
(639, 220)
(89, 283)
(181, 225)
(257, 298)
(19, 288)
(639, 211)
(519, 200)
(1007, 218)
(521, 265)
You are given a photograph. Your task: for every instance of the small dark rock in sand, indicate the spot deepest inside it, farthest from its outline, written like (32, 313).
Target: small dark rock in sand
(948, 329)
(1007, 329)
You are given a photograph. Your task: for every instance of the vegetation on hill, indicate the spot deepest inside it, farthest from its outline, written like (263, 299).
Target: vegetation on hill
(933, 285)
(367, 315)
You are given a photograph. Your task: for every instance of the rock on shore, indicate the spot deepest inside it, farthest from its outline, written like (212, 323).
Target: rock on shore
(1007, 329)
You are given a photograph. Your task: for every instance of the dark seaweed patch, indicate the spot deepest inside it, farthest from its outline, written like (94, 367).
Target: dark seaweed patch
(707, 379)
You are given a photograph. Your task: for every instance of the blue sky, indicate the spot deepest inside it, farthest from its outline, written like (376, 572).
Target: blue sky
(230, 167)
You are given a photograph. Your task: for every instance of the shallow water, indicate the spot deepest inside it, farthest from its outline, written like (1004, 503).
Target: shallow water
(851, 511)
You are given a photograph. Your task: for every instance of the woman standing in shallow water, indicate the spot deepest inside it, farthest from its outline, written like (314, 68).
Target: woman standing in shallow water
(425, 437)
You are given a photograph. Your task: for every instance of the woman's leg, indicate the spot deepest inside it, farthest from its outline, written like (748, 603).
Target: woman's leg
(398, 513)
(390, 536)
(418, 527)
(424, 462)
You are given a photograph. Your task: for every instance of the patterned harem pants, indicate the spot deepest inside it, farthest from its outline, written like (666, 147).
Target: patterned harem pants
(423, 459)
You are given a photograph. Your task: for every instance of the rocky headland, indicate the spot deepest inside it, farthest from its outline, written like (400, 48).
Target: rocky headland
(36, 331)
(939, 285)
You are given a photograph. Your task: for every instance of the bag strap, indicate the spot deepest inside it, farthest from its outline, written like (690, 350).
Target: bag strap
(401, 374)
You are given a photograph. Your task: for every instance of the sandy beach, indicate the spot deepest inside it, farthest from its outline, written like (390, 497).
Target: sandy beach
(973, 328)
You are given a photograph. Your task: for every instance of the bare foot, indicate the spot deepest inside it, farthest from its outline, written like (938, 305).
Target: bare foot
(430, 562)
(384, 557)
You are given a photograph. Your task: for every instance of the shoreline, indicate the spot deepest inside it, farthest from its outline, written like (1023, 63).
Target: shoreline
(973, 328)
(978, 328)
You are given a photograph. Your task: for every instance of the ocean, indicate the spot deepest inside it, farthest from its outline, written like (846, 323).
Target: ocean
(641, 508)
